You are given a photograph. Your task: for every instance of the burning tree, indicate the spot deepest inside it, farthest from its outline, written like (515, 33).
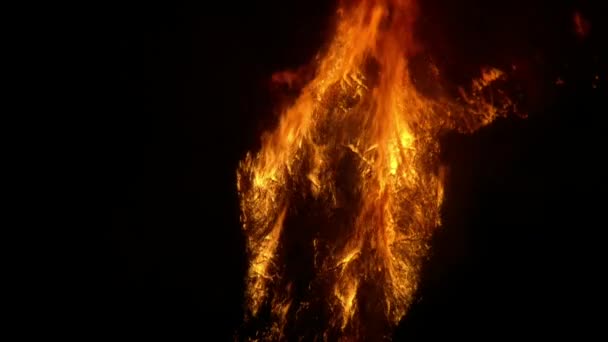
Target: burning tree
(350, 180)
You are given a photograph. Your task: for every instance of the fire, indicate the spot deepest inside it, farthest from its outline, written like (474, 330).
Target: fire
(356, 156)
(581, 25)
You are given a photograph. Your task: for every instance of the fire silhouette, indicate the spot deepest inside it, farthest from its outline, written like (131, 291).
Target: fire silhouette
(352, 172)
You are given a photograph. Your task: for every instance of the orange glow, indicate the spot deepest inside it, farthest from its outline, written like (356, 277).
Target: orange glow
(359, 138)
(581, 26)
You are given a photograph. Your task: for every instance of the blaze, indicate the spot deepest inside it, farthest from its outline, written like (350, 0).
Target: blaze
(354, 162)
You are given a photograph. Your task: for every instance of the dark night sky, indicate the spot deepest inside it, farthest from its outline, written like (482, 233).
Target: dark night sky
(188, 95)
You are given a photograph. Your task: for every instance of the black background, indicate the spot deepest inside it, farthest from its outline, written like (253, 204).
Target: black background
(187, 94)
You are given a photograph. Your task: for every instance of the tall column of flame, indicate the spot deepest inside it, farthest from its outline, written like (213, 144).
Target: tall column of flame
(361, 110)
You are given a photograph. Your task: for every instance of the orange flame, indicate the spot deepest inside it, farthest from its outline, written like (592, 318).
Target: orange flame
(361, 144)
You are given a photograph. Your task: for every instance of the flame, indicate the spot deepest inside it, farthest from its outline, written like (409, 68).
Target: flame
(360, 145)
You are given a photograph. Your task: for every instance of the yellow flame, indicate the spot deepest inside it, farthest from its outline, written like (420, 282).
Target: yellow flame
(362, 110)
